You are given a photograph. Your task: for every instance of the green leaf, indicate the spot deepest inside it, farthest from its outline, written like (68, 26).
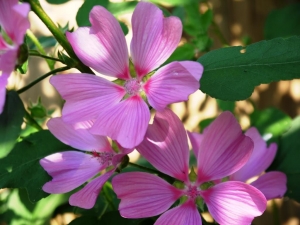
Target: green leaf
(226, 105)
(173, 2)
(11, 120)
(21, 168)
(121, 7)
(232, 75)
(114, 217)
(283, 22)
(57, 1)
(287, 159)
(124, 28)
(270, 122)
(184, 52)
(46, 42)
(90, 220)
(205, 123)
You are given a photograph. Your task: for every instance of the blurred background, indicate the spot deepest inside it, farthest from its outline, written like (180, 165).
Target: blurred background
(229, 23)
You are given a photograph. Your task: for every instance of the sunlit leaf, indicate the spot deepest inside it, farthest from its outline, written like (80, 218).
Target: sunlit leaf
(21, 168)
(57, 1)
(232, 73)
(11, 120)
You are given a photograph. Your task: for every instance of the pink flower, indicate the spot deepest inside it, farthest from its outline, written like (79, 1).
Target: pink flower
(70, 169)
(223, 151)
(271, 184)
(119, 109)
(13, 23)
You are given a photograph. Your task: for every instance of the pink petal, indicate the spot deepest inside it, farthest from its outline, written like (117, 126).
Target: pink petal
(86, 95)
(185, 214)
(165, 145)
(87, 196)
(78, 138)
(234, 203)
(103, 46)
(224, 149)
(8, 60)
(271, 184)
(143, 195)
(260, 159)
(69, 170)
(171, 83)
(13, 19)
(3, 83)
(154, 37)
(195, 139)
(126, 122)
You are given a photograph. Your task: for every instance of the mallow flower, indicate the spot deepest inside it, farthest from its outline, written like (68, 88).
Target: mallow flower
(119, 108)
(13, 26)
(70, 169)
(272, 184)
(223, 151)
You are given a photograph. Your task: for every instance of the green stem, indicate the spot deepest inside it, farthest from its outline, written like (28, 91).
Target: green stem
(58, 34)
(168, 178)
(32, 121)
(41, 78)
(39, 47)
(34, 53)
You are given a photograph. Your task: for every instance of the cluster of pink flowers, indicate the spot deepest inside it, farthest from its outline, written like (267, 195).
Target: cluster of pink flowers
(96, 108)
(13, 24)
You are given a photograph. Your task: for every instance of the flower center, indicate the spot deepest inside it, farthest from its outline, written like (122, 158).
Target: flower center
(192, 192)
(103, 157)
(132, 87)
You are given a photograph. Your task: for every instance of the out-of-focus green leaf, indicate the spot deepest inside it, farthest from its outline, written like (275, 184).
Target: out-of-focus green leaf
(57, 1)
(287, 159)
(184, 52)
(204, 123)
(270, 122)
(90, 220)
(283, 22)
(114, 217)
(21, 168)
(26, 212)
(124, 28)
(46, 42)
(120, 8)
(11, 120)
(229, 74)
(226, 105)
(173, 2)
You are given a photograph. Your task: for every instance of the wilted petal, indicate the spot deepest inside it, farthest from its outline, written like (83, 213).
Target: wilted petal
(195, 139)
(103, 46)
(143, 195)
(224, 149)
(165, 145)
(126, 122)
(87, 196)
(171, 83)
(69, 170)
(154, 37)
(271, 184)
(234, 203)
(81, 139)
(261, 157)
(185, 214)
(86, 95)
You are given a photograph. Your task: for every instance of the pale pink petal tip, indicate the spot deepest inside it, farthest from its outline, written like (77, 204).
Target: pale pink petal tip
(143, 195)
(171, 83)
(103, 46)
(224, 149)
(272, 184)
(69, 170)
(195, 139)
(234, 202)
(154, 37)
(195, 68)
(185, 214)
(165, 145)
